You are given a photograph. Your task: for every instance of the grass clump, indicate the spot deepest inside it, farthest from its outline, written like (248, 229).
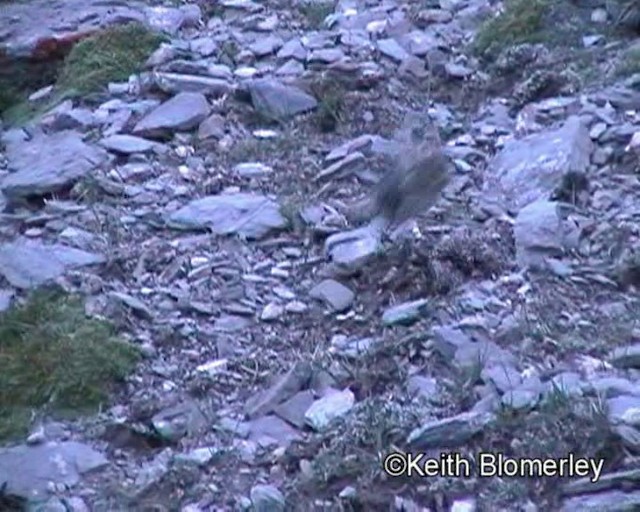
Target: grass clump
(53, 357)
(229, 51)
(110, 55)
(9, 96)
(520, 22)
(630, 62)
(316, 12)
(562, 423)
(353, 448)
(17, 82)
(331, 104)
(261, 150)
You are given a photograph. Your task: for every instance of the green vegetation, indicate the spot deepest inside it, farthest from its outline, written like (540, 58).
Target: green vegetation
(355, 446)
(331, 103)
(630, 62)
(9, 96)
(229, 50)
(562, 423)
(520, 22)
(316, 12)
(110, 55)
(261, 150)
(54, 358)
(17, 82)
(290, 209)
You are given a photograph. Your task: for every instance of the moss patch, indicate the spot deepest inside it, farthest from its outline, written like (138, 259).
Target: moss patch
(53, 357)
(521, 22)
(108, 56)
(111, 55)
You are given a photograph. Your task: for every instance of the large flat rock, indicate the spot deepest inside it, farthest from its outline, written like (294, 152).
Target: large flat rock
(48, 163)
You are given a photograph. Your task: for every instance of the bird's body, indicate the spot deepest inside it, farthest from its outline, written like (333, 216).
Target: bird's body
(421, 172)
(401, 195)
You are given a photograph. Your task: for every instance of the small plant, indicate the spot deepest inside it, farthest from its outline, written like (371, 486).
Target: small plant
(316, 12)
(110, 55)
(290, 210)
(9, 96)
(17, 81)
(460, 389)
(360, 440)
(630, 62)
(229, 50)
(261, 150)
(52, 356)
(330, 111)
(561, 424)
(520, 22)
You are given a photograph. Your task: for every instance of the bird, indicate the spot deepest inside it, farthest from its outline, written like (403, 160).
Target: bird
(420, 174)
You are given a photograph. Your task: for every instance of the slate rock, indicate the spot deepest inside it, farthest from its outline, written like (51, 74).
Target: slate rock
(30, 263)
(250, 215)
(277, 101)
(338, 296)
(127, 144)
(27, 470)
(532, 168)
(183, 112)
(49, 163)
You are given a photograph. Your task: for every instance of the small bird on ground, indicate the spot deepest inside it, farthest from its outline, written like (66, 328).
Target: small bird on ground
(421, 173)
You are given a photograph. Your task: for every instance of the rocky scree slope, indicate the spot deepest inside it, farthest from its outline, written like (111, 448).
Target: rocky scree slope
(203, 207)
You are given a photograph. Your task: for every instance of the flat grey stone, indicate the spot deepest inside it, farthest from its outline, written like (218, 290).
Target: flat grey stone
(127, 144)
(285, 387)
(338, 296)
(277, 101)
(531, 168)
(626, 357)
(329, 407)
(613, 501)
(272, 427)
(404, 314)
(539, 233)
(448, 432)
(176, 83)
(267, 498)
(624, 409)
(30, 263)
(250, 215)
(49, 163)
(27, 470)
(184, 111)
(392, 49)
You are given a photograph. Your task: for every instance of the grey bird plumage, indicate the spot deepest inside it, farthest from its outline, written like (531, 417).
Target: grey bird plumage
(419, 175)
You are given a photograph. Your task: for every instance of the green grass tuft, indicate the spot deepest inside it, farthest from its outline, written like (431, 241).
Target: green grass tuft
(315, 12)
(108, 56)
(629, 63)
(53, 357)
(520, 22)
